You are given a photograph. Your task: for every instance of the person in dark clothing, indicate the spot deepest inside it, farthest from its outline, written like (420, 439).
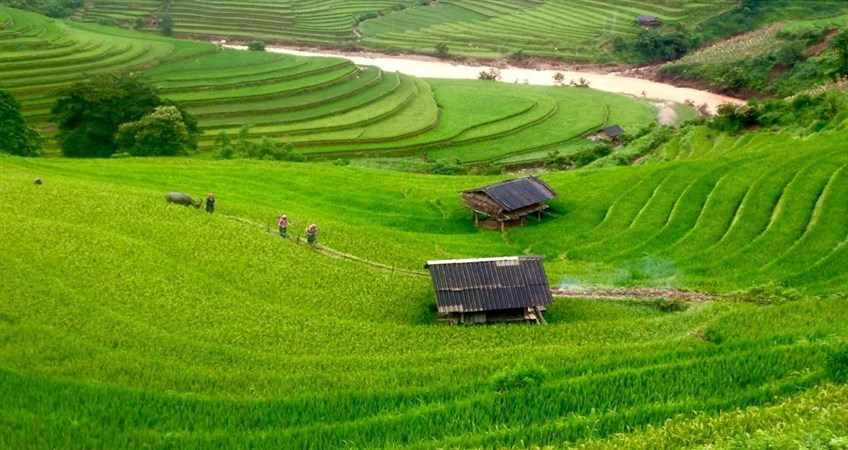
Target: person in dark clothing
(312, 234)
(210, 203)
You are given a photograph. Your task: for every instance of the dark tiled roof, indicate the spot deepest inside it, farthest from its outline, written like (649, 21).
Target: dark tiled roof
(644, 18)
(487, 284)
(613, 131)
(518, 193)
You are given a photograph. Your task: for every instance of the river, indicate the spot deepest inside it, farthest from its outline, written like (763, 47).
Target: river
(664, 95)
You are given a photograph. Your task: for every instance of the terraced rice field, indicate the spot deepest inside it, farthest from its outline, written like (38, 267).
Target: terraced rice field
(324, 106)
(127, 322)
(555, 28)
(570, 29)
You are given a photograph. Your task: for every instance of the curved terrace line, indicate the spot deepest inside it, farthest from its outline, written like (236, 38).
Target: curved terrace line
(429, 67)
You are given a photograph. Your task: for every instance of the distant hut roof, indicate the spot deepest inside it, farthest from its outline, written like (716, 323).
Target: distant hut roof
(489, 284)
(612, 131)
(512, 197)
(646, 20)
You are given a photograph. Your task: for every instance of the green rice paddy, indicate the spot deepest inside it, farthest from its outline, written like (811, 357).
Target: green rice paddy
(127, 322)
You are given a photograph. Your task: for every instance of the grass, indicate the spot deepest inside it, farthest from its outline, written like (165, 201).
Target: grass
(209, 330)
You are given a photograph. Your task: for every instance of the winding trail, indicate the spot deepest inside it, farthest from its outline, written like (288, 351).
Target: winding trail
(429, 67)
(599, 294)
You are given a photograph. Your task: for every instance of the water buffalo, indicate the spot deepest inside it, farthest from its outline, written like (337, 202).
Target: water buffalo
(182, 199)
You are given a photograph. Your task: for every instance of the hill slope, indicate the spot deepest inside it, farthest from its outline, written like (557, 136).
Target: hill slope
(129, 322)
(323, 106)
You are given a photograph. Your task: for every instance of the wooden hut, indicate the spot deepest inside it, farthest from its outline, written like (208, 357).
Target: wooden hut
(484, 290)
(611, 133)
(510, 200)
(648, 21)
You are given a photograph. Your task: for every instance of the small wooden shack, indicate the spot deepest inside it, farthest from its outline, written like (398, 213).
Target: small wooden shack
(611, 133)
(509, 200)
(648, 21)
(482, 290)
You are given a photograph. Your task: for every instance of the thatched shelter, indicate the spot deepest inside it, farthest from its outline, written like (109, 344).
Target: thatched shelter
(509, 200)
(484, 290)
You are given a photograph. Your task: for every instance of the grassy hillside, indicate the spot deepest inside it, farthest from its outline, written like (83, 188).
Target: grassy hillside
(127, 322)
(573, 29)
(323, 106)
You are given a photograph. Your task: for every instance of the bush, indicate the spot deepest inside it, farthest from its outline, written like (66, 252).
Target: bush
(580, 158)
(518, 377)
(442, 50)
(256, 46)
(447, 167)
(490, 75)
(16, 137)
(836, 366)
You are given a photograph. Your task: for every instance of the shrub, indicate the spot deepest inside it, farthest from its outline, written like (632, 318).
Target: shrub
(491, 75)
(836, 366)
(447, 167)
(518, 377)
(442, 50)
(256, 46)
(16, 137)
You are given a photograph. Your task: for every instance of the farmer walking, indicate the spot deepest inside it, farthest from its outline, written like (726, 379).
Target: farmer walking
(210, 203)
(312, 234)
(283, 223)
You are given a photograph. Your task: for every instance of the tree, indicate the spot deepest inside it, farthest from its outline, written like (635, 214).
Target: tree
(89, 113)
(160, 133)
(442, 50)
(16, 137)
(166, 25)
(840, 45)
(256, 46)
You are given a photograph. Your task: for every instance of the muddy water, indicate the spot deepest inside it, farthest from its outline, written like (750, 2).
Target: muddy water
(427, 67)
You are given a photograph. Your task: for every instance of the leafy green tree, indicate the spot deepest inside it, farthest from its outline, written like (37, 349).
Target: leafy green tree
(166, 25)
(16, 137)
(224, 146)
(256, 46)
(52, 8)
(839, 44)
(442, 50)
(89, 113)
(160, 133)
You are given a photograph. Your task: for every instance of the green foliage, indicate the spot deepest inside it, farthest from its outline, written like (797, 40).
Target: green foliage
(166, 25)
(839, 44)
(90, 112)
(519, 377)
(837, 365)
(224, 146)
(51, 8)
(442, 50)
(16, 137)
(652, 46)
(265, 149)
(733, 118)
(256, 46)
(580, 158)
(447, 167)
(160, 133)
(492, 74)
(770, 62)
(804, 112)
